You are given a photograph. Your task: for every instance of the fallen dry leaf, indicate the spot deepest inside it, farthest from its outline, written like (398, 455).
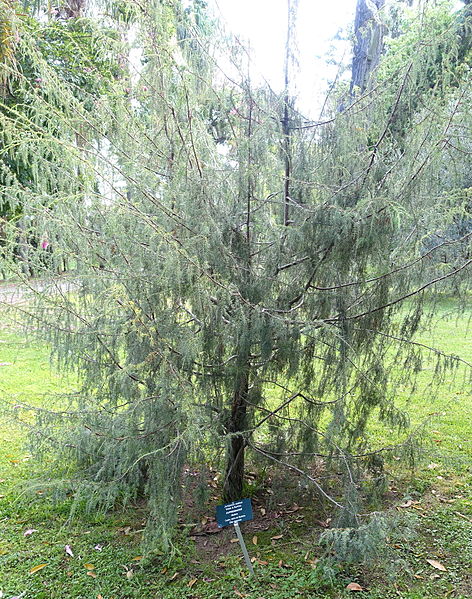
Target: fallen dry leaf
(254, 540)
(324, 523)
(234, 541)
(138, 558)
(263, 511)
(276, 538)
(436, 564)
(37, 568)
(173, 577)
(92, 574)
(129, 574)
(353, 586)
(192, 582)
(29, 532)
(89, 566)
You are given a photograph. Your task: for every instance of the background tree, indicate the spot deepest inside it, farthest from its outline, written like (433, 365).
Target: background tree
(76, 56)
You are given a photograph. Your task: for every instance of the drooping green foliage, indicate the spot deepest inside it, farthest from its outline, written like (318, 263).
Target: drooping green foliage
(233, 292)
(61, 70)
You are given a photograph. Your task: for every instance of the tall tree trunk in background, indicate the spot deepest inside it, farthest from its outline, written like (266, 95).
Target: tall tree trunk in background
(369, 34)
(464, 29)
(292, 7)
(72, 9)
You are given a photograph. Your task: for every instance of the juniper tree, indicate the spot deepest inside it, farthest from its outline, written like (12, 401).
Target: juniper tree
(246, 280)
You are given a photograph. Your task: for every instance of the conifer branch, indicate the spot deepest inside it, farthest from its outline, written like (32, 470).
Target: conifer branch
(405, 296)
(298, 471)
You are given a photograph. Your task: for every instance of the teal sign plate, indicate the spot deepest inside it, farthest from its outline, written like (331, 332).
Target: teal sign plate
(233, 513)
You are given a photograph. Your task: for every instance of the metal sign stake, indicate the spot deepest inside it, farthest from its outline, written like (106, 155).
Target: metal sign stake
(234, 513)
(244, 549)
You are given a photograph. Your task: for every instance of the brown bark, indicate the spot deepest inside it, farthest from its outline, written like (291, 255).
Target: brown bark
(234, 474)
(72, 9)
(368, 45)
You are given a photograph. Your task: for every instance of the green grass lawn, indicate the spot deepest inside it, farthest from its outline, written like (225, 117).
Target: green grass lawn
(446, 410)
(107, 561)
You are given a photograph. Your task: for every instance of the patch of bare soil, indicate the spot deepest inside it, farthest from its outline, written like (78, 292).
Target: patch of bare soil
(280, 507)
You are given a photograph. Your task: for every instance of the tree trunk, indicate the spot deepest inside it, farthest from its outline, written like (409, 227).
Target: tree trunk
(234, 474)
(464, 29)
(368, 45)
(72, 9)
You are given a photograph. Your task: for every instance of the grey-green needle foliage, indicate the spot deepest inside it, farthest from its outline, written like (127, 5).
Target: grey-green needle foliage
(243, 281)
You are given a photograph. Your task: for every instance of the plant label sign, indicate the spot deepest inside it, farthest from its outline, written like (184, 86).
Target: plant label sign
(234, 513)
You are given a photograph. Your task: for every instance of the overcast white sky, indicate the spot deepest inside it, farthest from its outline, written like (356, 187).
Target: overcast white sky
(264, 22)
